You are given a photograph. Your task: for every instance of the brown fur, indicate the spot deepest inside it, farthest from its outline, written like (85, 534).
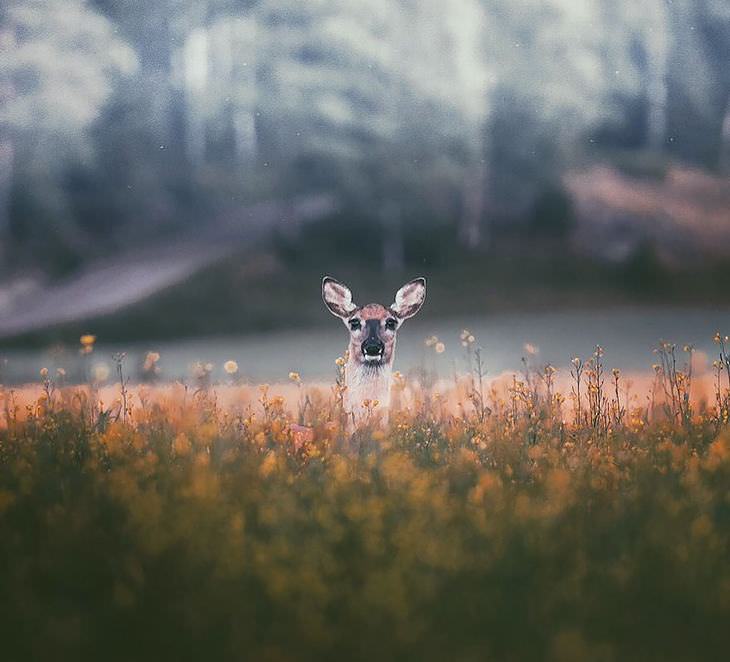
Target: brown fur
(373, 311)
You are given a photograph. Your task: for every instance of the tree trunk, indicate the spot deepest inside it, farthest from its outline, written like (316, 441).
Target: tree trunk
(195, 65)
(471, 231)
(656, 77)
(7, 169)
(725, 139)
(244, 99)
(657, 113)
(7, 146)
(393, 250)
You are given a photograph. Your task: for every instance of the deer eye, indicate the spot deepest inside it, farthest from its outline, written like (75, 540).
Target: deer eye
(391, 324)
(355, 324)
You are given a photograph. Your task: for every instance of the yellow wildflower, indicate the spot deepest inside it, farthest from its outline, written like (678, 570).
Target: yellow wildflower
(87, 340)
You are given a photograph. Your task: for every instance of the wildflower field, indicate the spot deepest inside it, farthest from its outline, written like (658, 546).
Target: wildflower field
(548, 515)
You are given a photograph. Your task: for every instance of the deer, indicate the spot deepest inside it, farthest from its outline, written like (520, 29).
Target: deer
(371, 349)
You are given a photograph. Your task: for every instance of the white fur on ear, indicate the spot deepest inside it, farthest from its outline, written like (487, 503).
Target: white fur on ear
(337, 297)
(410, 298)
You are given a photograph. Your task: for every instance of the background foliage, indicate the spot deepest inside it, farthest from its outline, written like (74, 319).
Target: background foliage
(122, 122)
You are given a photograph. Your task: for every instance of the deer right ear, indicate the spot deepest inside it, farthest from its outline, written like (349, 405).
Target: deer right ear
(337, 297)
(410, 298)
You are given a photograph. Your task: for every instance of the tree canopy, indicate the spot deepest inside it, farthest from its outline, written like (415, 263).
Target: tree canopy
(127, 118)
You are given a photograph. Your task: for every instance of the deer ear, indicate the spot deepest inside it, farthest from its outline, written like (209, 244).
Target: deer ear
(337, 297)
(410, 298)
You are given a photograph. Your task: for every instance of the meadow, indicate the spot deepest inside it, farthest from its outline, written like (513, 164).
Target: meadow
(576, 514)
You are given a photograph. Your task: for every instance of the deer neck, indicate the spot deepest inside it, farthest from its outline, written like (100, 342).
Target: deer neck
(366, 382)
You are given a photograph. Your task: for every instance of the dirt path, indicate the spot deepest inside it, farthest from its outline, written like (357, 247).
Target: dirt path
(109, 285)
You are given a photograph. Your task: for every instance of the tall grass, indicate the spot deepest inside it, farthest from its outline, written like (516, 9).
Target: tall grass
(546, 515)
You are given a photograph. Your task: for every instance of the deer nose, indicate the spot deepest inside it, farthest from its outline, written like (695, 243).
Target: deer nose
(373, 347)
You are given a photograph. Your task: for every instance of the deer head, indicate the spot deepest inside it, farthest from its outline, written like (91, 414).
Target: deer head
(373, 327)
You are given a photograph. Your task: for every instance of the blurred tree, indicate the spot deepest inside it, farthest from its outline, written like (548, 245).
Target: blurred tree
(412, 111)
(550, 89)
(56, 73)
(452, 77)
(716, 28)
(145, 173)
(566, 72)
(636, 39)
(216, 68)
(699, 79)
(385, 101)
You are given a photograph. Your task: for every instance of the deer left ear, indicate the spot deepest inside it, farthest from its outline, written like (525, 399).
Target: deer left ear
(410, 298)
